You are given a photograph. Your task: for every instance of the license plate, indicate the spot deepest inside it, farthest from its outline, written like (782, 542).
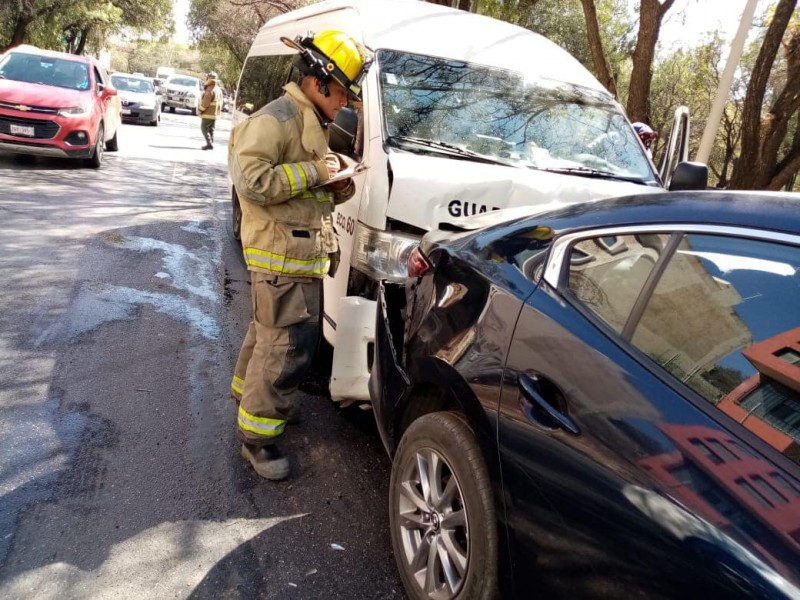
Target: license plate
(126, 111)
(22, 130)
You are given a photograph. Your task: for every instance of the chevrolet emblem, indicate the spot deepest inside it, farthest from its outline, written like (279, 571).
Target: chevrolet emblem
(22, 107)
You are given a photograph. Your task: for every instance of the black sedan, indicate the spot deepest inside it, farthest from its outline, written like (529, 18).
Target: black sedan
(598, 402)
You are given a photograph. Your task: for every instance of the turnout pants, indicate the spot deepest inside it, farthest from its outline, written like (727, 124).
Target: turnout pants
(276, 353)
(207, 127)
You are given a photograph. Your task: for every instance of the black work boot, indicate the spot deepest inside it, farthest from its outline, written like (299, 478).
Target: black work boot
(268, 461)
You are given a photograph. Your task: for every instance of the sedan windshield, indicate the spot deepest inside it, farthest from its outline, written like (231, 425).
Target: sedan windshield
(433, 105)
(45, 70)
(132, 84)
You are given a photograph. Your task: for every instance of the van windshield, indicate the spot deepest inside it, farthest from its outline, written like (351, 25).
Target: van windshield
(496, 114)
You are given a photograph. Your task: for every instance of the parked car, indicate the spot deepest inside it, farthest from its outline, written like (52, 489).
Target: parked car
(181, 91)
(57, 104)
(599, 401)
(140, 100)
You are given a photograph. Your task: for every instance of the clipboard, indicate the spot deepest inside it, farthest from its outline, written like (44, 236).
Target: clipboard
(347, 173)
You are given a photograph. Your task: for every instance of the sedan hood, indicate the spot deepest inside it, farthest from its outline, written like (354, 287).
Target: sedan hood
(37, 94)
(429, 190)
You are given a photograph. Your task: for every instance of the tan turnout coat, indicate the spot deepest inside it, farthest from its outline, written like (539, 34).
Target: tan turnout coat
(276, 160)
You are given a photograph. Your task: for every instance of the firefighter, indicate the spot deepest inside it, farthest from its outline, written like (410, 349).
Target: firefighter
(210, 109)
(279, 161)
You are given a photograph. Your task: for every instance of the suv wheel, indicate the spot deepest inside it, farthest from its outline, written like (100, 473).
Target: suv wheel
(441, 512)
(96, 159)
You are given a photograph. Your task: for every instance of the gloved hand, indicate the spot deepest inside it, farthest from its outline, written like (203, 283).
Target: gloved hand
(335, 163)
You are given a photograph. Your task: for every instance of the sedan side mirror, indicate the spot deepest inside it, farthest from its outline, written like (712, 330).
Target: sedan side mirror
(689, 176)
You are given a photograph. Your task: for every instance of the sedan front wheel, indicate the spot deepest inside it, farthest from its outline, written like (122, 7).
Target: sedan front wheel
(442, 516)
(95, 161)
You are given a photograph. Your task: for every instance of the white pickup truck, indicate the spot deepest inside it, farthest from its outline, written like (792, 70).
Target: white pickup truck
(181, 91)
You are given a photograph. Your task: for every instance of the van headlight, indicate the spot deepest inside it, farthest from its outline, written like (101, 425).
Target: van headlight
(383, 254)
(76, 111)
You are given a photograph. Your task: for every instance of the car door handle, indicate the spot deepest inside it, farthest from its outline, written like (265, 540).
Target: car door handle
(530, 390)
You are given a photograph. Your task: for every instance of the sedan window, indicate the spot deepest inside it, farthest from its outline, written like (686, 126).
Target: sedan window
(724, 319)
(718, 313)
(607, 273)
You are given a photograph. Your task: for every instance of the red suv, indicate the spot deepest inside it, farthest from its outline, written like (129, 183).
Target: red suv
(57, 104)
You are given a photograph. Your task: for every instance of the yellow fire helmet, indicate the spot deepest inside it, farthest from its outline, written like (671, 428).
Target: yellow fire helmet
(331, 55)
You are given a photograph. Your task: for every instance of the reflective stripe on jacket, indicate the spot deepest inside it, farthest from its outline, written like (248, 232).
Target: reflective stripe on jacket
(275, 159)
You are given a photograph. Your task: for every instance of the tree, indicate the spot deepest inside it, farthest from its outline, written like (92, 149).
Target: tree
(20, 14)
(596, 47)
(693, 75)
(72, 24)
(233, 24)
(651, 13)
(602, 42)
(770, 150)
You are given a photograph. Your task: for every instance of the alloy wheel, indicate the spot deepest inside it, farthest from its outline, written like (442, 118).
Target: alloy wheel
(433, 525)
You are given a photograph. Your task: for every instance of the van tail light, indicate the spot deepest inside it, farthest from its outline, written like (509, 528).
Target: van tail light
(418, 264)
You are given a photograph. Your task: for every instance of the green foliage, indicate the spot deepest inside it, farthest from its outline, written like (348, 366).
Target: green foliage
(217, 57)
(563, 22)
(690, 78)
(54, 23)
(145, 56)
(224, 30)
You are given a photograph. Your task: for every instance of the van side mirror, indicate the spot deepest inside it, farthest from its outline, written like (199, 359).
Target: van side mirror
(343, 132)
(689, 176)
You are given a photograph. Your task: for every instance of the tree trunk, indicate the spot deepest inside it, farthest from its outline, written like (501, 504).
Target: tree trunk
(596, 47)
(84, 35)
(651, 12)
(20, 31)
(27, 13)
(758, 166)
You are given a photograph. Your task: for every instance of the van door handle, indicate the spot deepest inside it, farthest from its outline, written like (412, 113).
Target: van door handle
(530, 390)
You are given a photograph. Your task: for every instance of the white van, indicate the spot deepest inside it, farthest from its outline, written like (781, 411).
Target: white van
(461, 114)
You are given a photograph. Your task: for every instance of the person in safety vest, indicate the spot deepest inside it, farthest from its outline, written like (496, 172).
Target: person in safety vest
(279, 161)
(210, 109)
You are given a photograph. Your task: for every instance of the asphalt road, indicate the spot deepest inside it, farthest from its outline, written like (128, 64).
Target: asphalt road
(123, 301)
